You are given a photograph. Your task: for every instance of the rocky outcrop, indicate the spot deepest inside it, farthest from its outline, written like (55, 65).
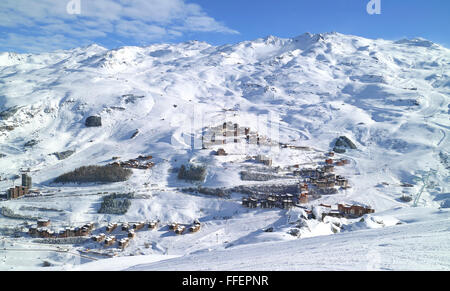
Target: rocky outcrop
(343, 144)
(93, 121)
(8, 113)
(64, 155)
(135, 134)
(7, 128)
(31, 143)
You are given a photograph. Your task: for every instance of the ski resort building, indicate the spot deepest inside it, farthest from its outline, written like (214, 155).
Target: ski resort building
(43, 223)
(153, 225)
(355, 210)
(138, 226)
(123, 243)
(109, 241)
(20, 191)
(16, 192)
(26, 181)
(232, 133)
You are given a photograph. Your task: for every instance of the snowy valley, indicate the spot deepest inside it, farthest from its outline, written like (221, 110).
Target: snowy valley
(260, 119)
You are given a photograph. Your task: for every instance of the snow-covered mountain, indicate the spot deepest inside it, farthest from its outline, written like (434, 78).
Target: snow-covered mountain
(391, 98)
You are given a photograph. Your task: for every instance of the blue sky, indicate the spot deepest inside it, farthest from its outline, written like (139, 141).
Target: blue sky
(46, 25)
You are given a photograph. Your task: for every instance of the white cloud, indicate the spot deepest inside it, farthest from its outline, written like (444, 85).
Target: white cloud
(26, 24)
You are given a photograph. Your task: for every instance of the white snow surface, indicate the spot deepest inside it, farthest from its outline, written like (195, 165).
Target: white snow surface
(390, 98)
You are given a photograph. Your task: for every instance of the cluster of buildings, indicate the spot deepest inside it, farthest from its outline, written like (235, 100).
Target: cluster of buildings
(229, 133)
(20, 191)
(180, 229)
(324, 178)
(41, 230)
(315, 182)
(129, 228)
(346, 210)
(141, 163)
(283, 201)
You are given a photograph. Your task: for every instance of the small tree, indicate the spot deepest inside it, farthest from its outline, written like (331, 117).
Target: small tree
(192, 173)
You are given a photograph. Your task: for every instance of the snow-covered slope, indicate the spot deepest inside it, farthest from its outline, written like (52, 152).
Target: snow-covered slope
(390, 98)
(419, 243)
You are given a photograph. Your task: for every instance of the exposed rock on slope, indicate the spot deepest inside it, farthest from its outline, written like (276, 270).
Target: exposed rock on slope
(94, 121)
(342, 144)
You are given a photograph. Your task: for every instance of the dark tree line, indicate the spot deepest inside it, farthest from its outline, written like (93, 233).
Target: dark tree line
(116, 204)
(96, 174)
(192, 173)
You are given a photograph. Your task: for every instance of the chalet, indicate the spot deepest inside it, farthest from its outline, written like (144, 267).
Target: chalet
(89, 226)
(331, 154)
(173, 226)
(125, 226)
(84, 231)
(109, 241)
(123, 243)
(138, 226)
(153, 225)
(355, 210)
(43, 223)
(328, 169)
(131, 234)
(195, 227)
(180, 229)
(329, 161)
(99, 238)
(111, 227)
